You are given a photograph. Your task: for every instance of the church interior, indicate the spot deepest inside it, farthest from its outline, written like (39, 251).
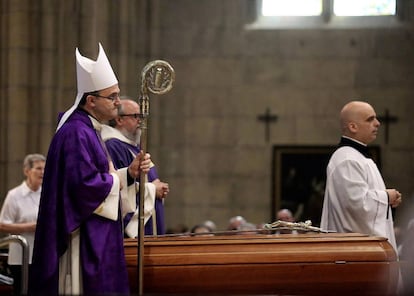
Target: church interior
(247, 98)
(253, 114)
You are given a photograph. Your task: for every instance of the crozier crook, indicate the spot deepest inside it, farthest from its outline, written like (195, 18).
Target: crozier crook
(157, 77)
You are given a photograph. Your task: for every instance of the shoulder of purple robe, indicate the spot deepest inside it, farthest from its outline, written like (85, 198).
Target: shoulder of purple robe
(85, 164)
(76, 179)
(120, 152)
(121, 155)
(75, 183)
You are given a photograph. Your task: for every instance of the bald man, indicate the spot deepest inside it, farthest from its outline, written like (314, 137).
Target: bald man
(356, 199)
(285, 215)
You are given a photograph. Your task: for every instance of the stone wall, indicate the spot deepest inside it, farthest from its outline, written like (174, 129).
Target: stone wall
(204, 134)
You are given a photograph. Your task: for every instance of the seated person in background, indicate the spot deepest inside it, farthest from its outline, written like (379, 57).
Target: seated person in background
(235, 222)
(287, 216)
(201, 228)
(210, 224)
(247, 228)
(19, 213)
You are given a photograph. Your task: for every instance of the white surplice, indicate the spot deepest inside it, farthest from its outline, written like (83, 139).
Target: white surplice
(355, 196)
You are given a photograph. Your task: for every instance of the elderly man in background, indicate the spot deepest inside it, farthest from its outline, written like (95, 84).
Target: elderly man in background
(285, 215)
(122, 138)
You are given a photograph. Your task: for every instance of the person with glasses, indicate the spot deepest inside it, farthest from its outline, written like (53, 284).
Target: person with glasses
(19, 214)
(78, 247)
(122, 138)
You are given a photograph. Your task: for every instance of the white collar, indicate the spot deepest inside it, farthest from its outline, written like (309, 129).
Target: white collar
(352, 139)
(27, 190)
(108, 132)
(96, 124)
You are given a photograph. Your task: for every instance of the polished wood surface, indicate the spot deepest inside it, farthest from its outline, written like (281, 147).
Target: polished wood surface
(288, 264)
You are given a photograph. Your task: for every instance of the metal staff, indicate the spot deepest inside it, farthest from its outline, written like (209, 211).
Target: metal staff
(157, 77)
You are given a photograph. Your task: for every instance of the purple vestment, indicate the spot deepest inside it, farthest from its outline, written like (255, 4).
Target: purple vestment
(76, 181)
(121, 154)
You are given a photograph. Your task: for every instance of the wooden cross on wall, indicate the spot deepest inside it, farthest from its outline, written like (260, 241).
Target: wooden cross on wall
(387, 119)
(267, 118)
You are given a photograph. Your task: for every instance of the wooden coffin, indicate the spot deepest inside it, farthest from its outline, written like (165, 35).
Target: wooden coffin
(287, 264)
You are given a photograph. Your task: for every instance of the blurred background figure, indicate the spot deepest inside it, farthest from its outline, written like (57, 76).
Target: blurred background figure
(201, 228)
(210, 224)
(285, 215)
(19, 213)
(407, 258)
(235, 222)
(247, 228)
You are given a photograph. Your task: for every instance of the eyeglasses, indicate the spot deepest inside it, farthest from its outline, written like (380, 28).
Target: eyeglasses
(111, 97)
(135, 115)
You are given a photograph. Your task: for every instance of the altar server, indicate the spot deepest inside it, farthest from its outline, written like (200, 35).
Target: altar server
(356, 199)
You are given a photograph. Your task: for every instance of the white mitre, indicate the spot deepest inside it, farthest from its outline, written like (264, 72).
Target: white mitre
(91, 76)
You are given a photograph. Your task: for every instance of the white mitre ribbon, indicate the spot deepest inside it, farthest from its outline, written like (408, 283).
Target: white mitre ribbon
(91, 76)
